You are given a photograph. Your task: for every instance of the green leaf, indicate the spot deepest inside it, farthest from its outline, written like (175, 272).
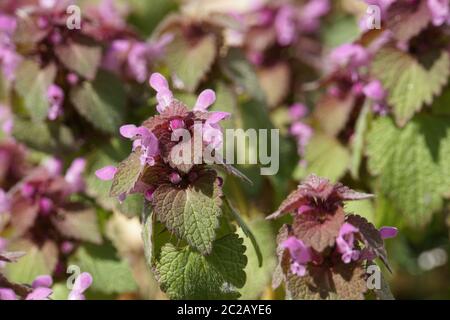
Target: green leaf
(128, 173)
(259, 277)
(246, 230)
(101, 102)
(190, 60)
(78, 222)
(110, 274)
(192, 213)
(37, 261)
(412, 164)
(47, 137)
(32, 84)
(81, 58)
(410, 84)
(358, 142)
(326, 157)
(186, 274)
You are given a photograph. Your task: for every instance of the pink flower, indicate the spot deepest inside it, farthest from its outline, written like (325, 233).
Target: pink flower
(55, 96)
(298, 111)
(352, 55)
(374, 90)
(46, 206)
(286, 25)
(205, 100)
(82, 283)
(303, 133)
(345, 243)
(176, 124)
(7, 294)
(42, 281)
(212, 132)
(311, 14)
(164, 94)
(440, 11)
(300, 255)
(54, 166)
(106, 173)
(41, 288)
(74, 175)
(149, 193)
(388, 232)
(175, 178)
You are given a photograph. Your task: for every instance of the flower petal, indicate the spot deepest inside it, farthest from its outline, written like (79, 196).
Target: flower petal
(158, 82)
(44, 281)
(82, 282)
(388, 232)
(205, 100)
(107, 173)
(128, 131)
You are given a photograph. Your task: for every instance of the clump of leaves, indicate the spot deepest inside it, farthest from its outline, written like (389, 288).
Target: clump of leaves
(324, 252)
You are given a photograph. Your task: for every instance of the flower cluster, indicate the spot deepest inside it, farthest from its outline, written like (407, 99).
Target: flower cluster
(40, 288)
(283, 24)
(155, 141)
(322, 236)
(40, 208)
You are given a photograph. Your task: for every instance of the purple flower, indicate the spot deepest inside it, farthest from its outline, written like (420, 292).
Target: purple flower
(212, 132)
(41, 288)
(286, 25)
(67, 247)
(176, 124)
(300, 255)
(143, 138)
(374, 90)
(54, 166)
(149, 193)
(345, 243)
(55, 96)
(42, 281)
(74, 175)
(174, 178)
(298, 111)
(82, 283)
(352, 55)
(46, 206)
(303, 133)
(164, 94)
(312, 12)
(388, 232)
(205, 100)
(40, 293)
(7, 294)
(106, 173)
(439, 10)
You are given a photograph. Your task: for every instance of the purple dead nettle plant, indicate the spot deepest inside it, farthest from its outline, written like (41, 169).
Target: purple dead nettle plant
(153, 140)
(40, 209)
(324, 252)
(40, 288)
(277, 25)
(179, 193)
